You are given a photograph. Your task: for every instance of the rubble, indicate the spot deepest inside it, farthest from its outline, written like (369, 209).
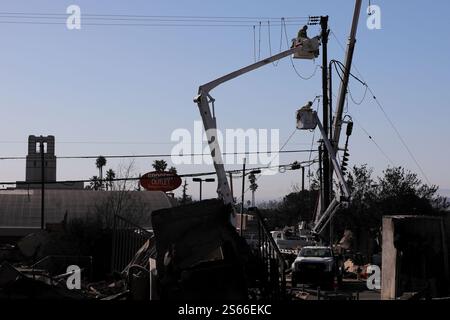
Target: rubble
(32, 243)
(9, 252)
(107, 290)
(355, 271)
(24, 284)
(199, 253)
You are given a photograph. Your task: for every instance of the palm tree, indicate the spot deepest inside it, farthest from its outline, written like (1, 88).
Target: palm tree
(160, 165)
(110, 176)
(100, 163)
(95, 183)
(253, 186)
(173, 170)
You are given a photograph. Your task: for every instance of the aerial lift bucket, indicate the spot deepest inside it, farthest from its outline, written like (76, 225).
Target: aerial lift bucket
(309, 48)
(306, 120)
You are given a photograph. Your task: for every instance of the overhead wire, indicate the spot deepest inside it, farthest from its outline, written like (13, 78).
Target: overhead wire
(254, 43)
(391, 123)
(371, 138)
(358, 102)
(340, 69)
(134, 24)
(162, 155)
(259, 41)
(292, 60)
(138, 20)
(280, 151)
(257, 18)
(275, 64)
(112, 142)
(189, 175)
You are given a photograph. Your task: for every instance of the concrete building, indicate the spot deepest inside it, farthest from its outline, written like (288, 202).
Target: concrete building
(415, 257)
(20, 210)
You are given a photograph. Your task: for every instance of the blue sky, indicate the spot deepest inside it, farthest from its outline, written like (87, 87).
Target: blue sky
(136, 84)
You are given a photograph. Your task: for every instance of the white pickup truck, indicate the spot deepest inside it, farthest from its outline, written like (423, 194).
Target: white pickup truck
(316, 265)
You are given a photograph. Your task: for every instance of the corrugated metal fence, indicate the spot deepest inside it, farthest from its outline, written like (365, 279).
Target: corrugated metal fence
(127, 239)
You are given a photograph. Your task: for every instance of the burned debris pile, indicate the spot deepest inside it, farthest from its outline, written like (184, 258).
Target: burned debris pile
(199, 253)
(193, 252)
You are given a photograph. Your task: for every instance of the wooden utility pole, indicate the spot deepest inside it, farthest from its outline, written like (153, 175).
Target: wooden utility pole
(325, 118)
(346, 76)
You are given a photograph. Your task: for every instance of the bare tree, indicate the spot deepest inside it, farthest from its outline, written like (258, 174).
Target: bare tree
(123, 200)
(110, 176)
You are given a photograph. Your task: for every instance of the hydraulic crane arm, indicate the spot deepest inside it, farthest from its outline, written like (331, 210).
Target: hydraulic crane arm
(332, 154)
(203, 100)
(307, 119)
(206, 88)
(337, 201)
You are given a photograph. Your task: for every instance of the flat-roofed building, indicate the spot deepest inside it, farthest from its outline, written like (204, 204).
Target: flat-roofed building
(20, 210)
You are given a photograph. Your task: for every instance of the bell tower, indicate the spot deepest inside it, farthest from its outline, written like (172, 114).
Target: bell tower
(37, 145)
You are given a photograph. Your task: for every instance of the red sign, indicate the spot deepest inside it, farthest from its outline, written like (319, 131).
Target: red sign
(160, 181)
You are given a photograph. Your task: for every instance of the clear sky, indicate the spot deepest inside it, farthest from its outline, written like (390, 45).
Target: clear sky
(123, 90)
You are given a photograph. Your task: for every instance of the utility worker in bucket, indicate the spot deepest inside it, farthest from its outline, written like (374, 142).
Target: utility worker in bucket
(303, 33)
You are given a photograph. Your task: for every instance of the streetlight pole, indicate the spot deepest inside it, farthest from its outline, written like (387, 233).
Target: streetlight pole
(41, 147)
(201, 184)
(231, 185)
(303, 178)
(242, 196)
(244, 174)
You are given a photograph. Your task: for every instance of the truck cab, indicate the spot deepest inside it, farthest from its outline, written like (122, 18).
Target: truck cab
(316, 265)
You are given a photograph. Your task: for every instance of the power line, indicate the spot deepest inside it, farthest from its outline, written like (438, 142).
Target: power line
(259, 41)
(339, 66)
(189, 175)
(371, 138)
(165, 155)
(254, 43)
(292, 60)
(380, 106)
(399, 136)
(152, 16)
(131, 24)
(142, 20)
(360, 102)
(280, 151)
(115, 142)
(275, 64)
